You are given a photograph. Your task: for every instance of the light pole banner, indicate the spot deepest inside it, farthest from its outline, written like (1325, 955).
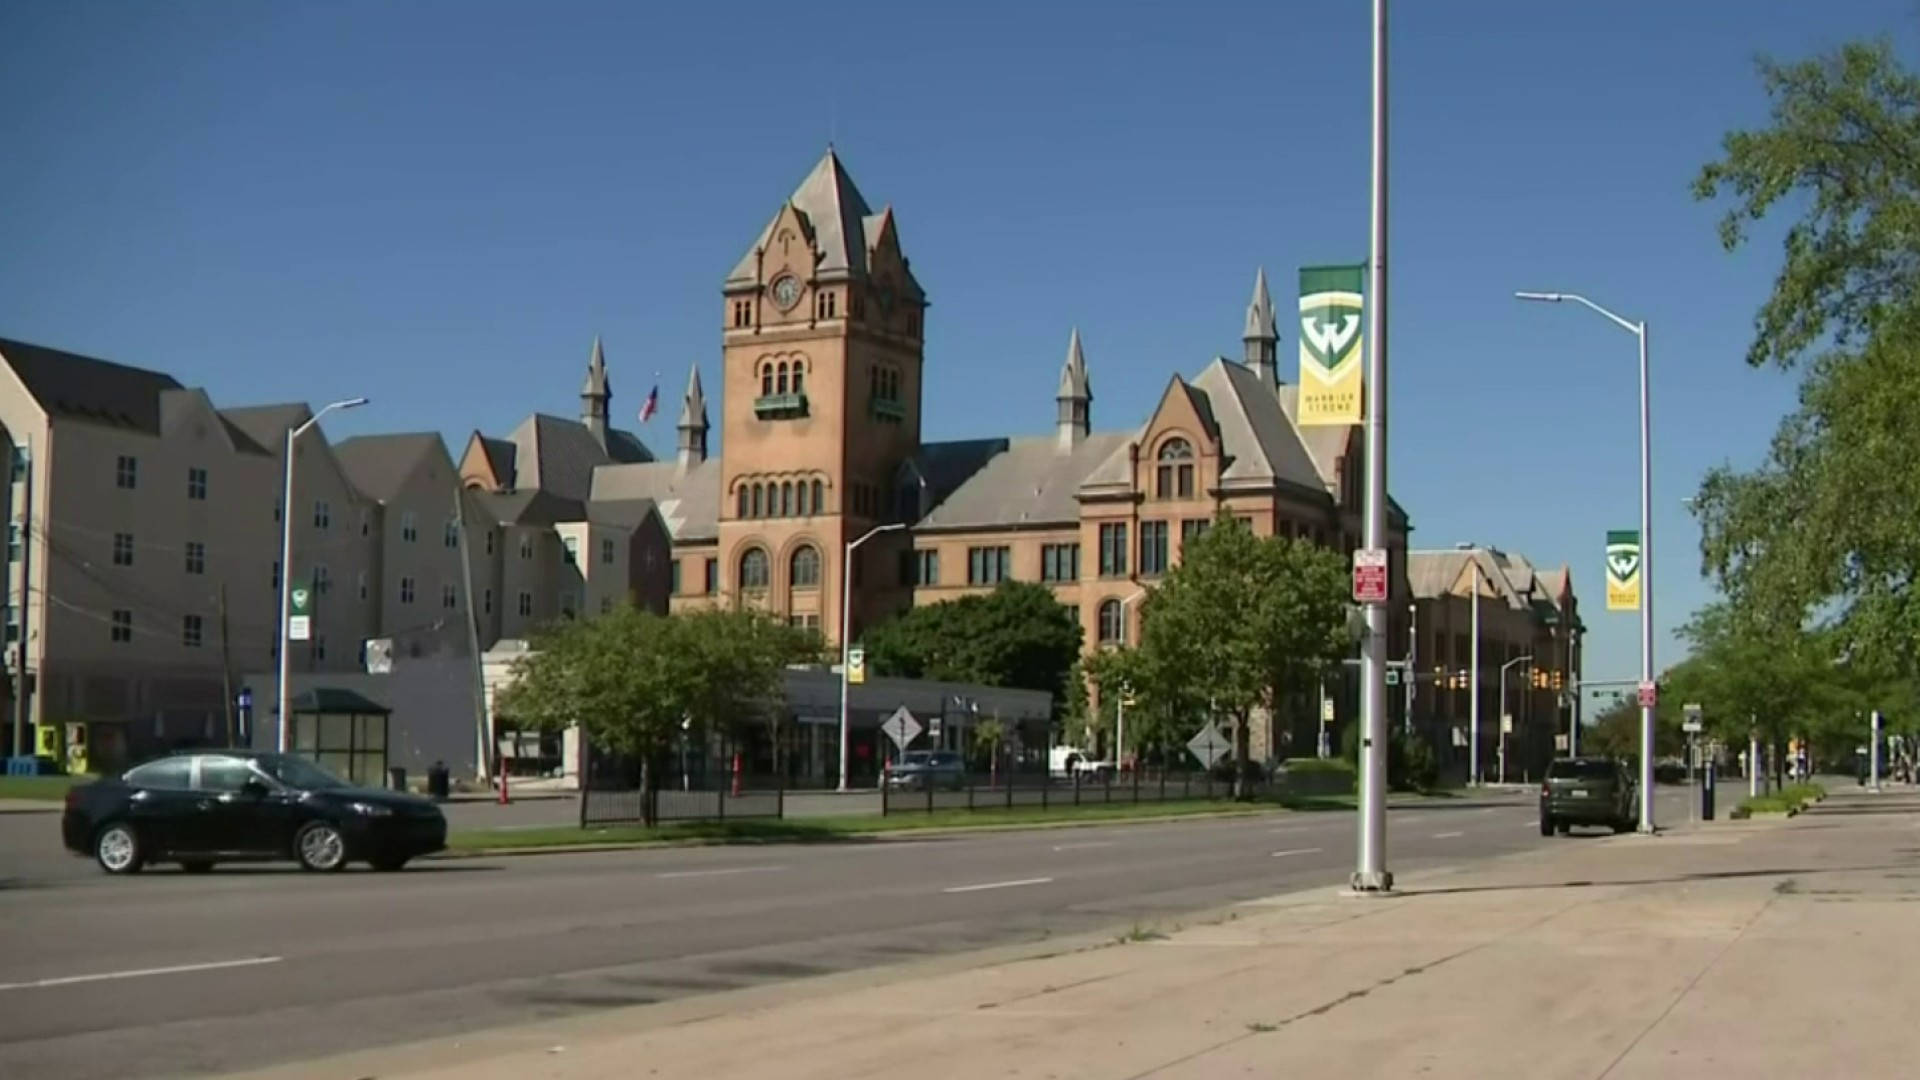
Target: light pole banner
(1331, 317)
(1623, 570)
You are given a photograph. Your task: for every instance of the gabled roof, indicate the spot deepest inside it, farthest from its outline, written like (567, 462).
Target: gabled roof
(559, 456)
(179, 407)
(69, 386)
(688, 500)
(627, 513)
(1511, 577)
(836, 213)
(530, 506)
(379, 466)
(500, 455)
(267, 425)
(1024, 481)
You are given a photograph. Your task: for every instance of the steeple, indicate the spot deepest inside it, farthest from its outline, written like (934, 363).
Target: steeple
(1262, 335)
(693, 423)
(596, 395)
(1075, 396)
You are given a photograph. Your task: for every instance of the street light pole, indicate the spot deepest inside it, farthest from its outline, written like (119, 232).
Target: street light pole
(1638, 330)
(846, 639)
(1504, 668)
(1473, 680)
(285, 692)
(1120, 711)
(1370, 872)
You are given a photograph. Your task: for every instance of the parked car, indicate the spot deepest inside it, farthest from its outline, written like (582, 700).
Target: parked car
(202, 808)
(921, 769)
(1587, 791)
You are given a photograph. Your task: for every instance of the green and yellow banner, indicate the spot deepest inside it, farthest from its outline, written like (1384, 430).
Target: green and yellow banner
(1331, 318)
(1623, 570)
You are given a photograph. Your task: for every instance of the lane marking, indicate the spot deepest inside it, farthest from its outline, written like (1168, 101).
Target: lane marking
(719, 873)
(141, 973)
(1447, 835)
(1085, 846)
(1298, 851)
(998, 885)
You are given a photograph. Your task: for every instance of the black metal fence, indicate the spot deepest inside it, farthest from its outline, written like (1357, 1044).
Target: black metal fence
(1081, 788)
(611, 794)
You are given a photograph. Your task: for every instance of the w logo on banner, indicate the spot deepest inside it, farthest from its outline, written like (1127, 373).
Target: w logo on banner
(1623, 570)
(1332, 315)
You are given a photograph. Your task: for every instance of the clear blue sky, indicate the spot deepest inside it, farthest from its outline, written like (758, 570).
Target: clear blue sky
(439, 204)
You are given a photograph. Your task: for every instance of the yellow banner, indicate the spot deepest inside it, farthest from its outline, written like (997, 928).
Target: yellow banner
(1332, 314)
(1623, 570)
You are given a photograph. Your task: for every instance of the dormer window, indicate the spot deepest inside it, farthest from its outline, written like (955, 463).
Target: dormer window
(826, 306)
(1173, 471)
(742, 313)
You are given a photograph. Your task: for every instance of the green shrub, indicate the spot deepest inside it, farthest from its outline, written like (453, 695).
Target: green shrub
(1302, 765)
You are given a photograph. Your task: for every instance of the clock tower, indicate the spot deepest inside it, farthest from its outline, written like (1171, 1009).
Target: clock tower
(822, 363)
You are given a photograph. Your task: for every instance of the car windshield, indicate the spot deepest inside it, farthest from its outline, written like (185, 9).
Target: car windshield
(1580, 770)
(916, 757)
(298, 772)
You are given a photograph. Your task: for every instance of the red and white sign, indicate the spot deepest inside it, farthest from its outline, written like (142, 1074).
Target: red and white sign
(1649, 695)
(1369, 576)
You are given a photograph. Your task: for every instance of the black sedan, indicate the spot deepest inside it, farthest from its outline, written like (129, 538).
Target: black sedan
(208, 807)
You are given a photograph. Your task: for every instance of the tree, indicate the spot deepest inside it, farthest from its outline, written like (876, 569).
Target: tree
(1017, 636)
(1167, 706)
(629, 678)
(1247, 622)
(1825, 523)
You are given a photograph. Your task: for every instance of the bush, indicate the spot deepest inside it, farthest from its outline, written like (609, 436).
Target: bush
(1411, 765)
(1302, 765)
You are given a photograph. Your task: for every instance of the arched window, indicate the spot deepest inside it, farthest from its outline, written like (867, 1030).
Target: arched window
(1112, 631)
(800, 499)
(740, 497)
(780, 378)
(806, 568)
(819, 501)
(757, 505)
(799, 380)
(766, 380)
(786, 498)
(753, 569)
(1174, 475)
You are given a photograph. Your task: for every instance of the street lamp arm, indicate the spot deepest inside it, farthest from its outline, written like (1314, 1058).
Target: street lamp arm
(846, 639)
(1628, 325)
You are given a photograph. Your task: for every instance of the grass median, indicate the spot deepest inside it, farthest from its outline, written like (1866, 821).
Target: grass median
(829, 829)
(39, 788)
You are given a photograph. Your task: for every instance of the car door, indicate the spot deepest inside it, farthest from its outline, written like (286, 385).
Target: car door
(163, 804)
(232, 818)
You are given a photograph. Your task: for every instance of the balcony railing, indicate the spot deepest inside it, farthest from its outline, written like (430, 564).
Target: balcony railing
(780, 406)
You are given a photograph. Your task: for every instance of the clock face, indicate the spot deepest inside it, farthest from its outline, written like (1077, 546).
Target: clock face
(786, 291)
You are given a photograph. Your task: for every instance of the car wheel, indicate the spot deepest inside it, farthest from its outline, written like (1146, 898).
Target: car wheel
(1622, 827)
(1563, 828)
(320, 847)
(197, 866)
(1546, 825)
(116, 847)
(389, 864)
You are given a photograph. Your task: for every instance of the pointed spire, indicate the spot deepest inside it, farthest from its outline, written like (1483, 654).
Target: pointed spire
(1262, 334)
(693, 422)
(596, 394)
(1075, 396)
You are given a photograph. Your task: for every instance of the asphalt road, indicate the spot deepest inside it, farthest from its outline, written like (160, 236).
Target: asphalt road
(165, 974)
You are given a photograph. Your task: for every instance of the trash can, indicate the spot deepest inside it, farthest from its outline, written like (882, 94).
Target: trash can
(1706, 792)
(397, 778)
(438, 784)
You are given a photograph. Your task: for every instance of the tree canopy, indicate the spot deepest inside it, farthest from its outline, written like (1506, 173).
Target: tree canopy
(1823, 530)
(1016, 636)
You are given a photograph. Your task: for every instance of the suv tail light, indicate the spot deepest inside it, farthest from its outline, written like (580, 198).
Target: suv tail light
(1546, 788)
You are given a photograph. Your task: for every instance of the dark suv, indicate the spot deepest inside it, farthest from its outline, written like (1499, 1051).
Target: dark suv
(1587, 791)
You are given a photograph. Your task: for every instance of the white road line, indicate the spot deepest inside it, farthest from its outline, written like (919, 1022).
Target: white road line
(141, 973)
(718, 873)
(1290, 829)
(998, 885)
(1298, 851)
(1447, 835)
(1085, 846)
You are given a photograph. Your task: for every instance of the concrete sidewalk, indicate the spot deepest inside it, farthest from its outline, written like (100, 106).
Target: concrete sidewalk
(1753, 949)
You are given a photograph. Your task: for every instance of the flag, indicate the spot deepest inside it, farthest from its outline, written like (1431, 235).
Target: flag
(651, 405)
(1331, 311)
(1623, 570)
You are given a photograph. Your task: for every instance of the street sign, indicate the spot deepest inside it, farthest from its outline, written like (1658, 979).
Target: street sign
(901, 727)
(933, 728)
(299, 615)
(1393, 677)
(1506, 723)
(244, 699)
(1326, 709)
(1210, 745)
(1692, 722)
(1369, 575)
(856, 664)
(1126, 694)
(1649, 695)
(379, 653)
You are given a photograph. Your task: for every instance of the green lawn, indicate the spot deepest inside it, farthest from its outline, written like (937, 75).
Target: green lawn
(802, 830)
(47, 788)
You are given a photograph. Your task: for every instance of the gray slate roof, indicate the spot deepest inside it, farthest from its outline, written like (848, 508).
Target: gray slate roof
(266, 425)
(559, 456)
(843, 226)
(501, 454)
(378, 466)
(1024, 481)
(74, 387)
(531, 506)
(688, 500)
(1432, 574)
